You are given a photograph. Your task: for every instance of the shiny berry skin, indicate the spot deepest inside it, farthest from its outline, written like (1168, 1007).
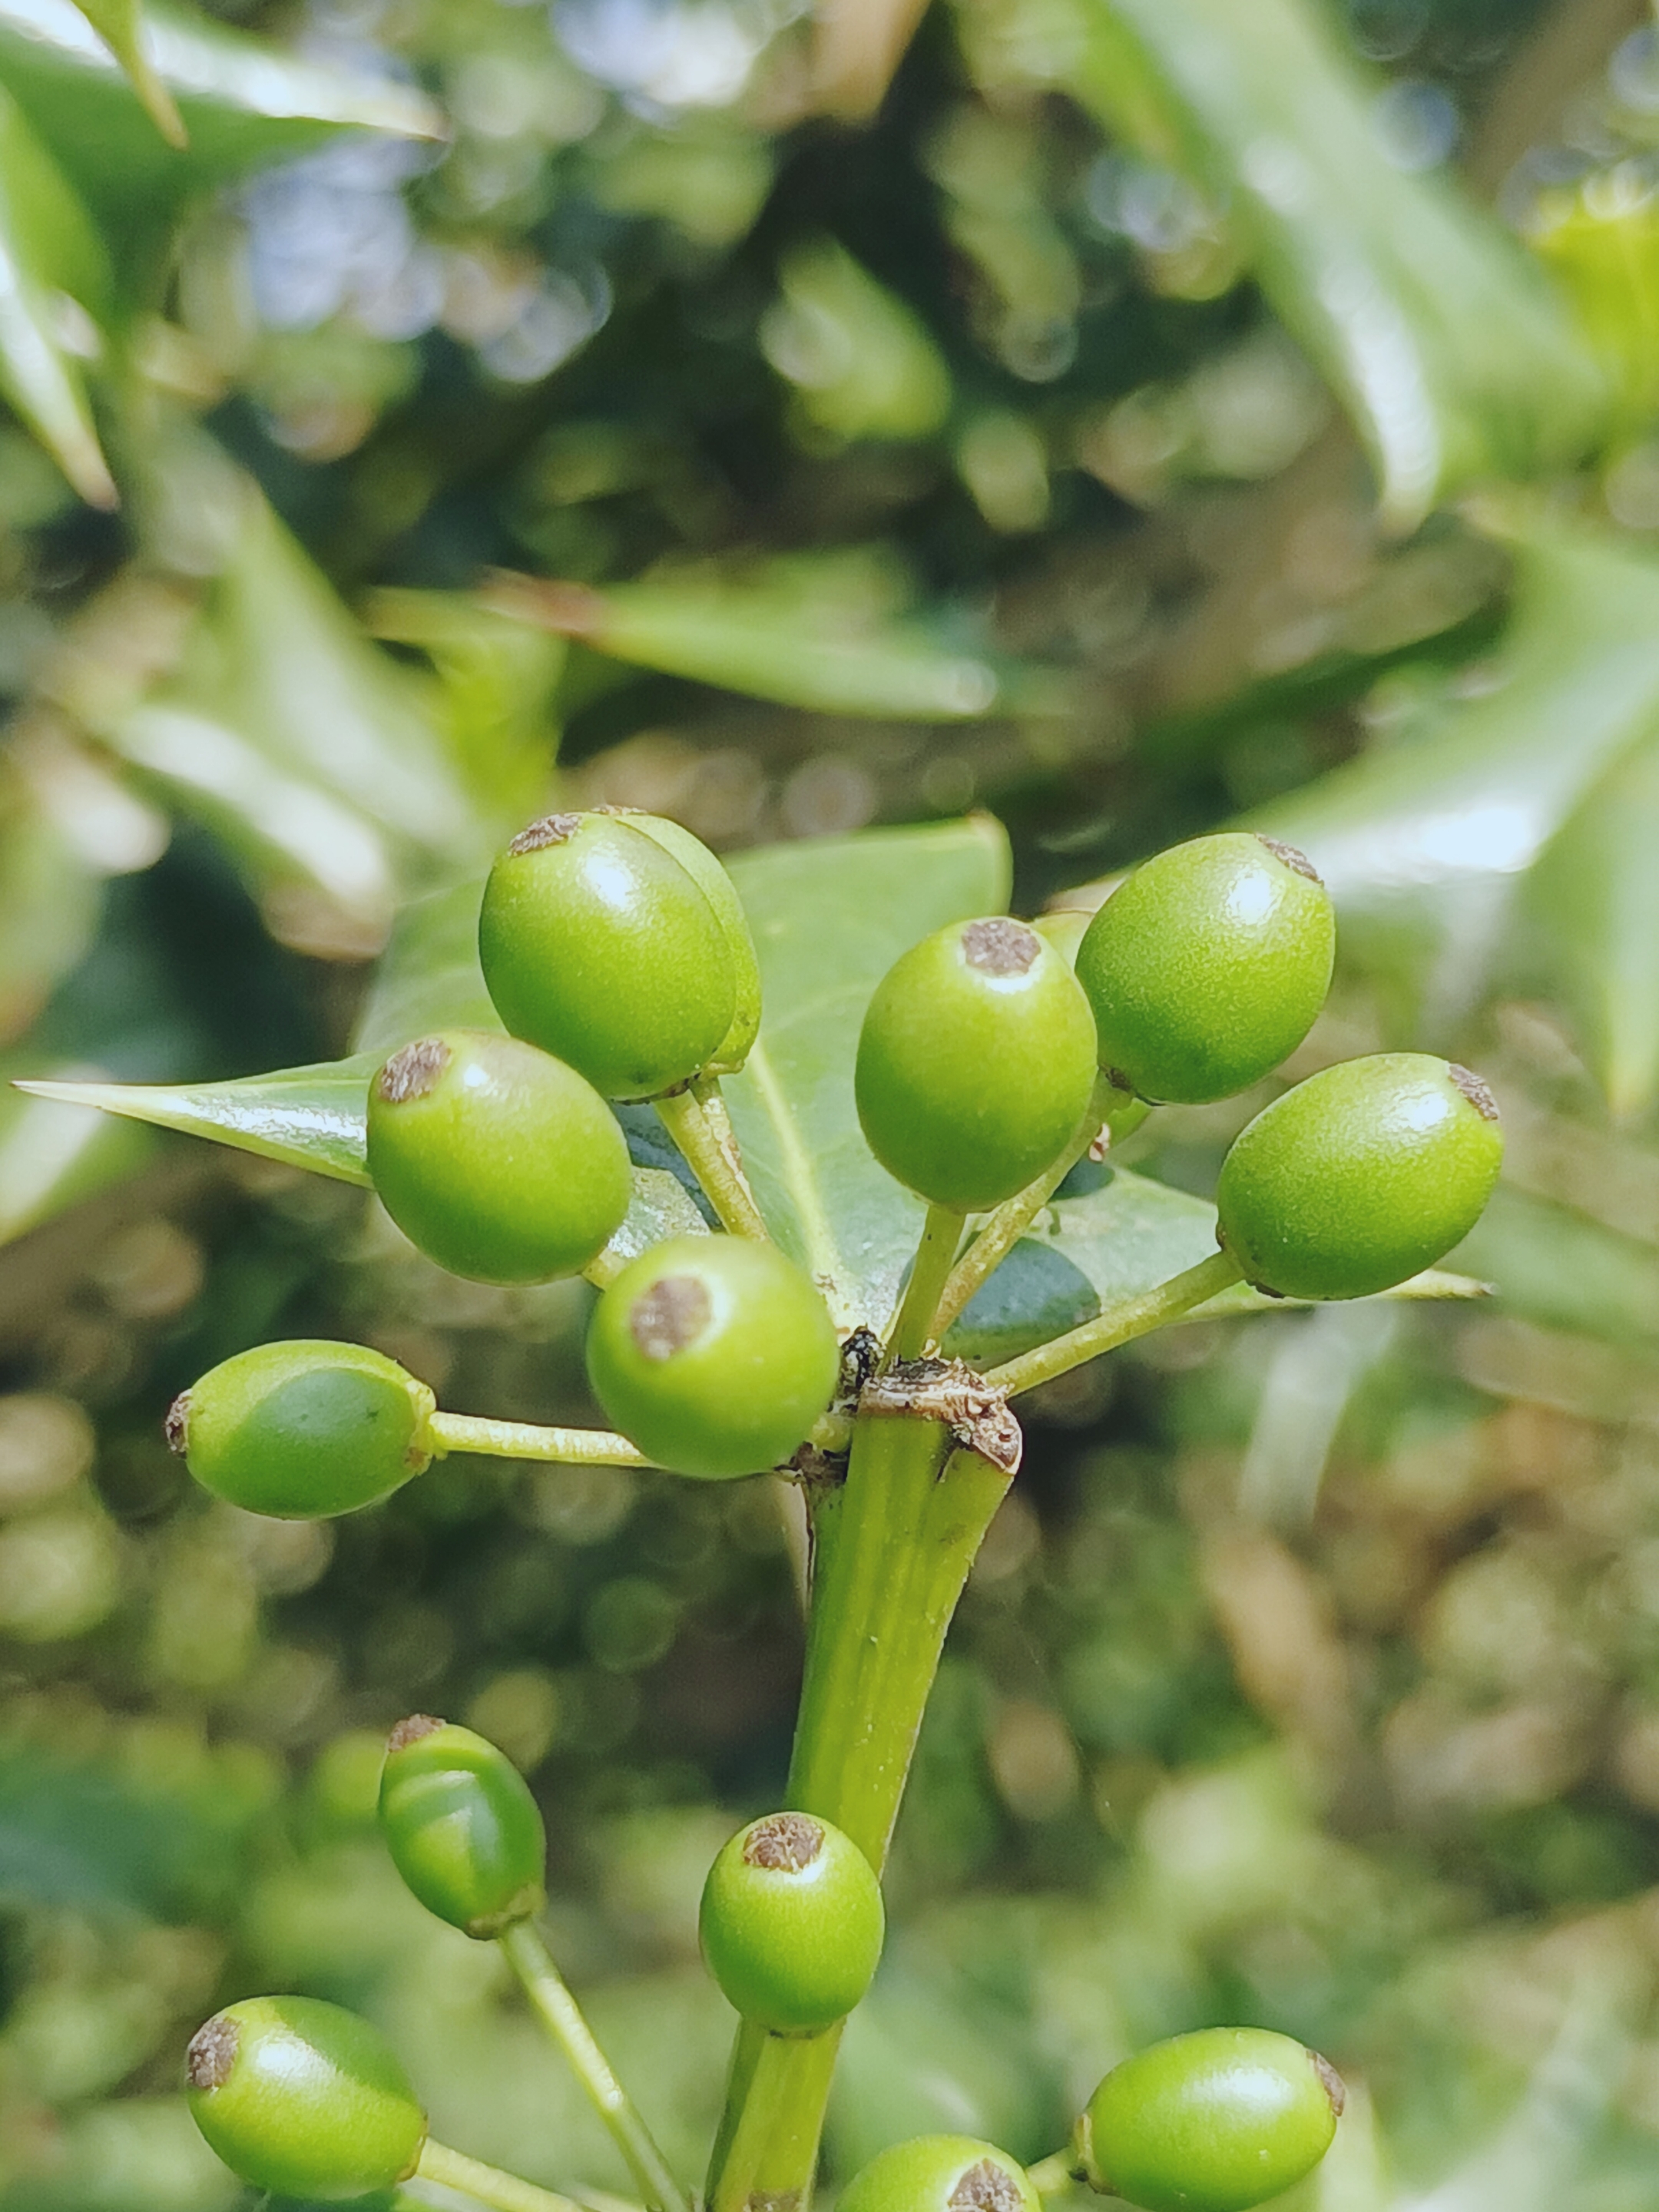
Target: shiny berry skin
(303, 1429)
(721, 893)
(714, 1355)
(302, 2098)
(1207, 967)
(940, 2173)
(598, 946)
(1361, 1177)
(974, 1063)
(1215, 2122)
(791, 1922)
(497, 1160)
(461, 1825)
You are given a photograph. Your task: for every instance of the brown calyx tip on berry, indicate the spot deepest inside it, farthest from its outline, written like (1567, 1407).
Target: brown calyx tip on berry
(551, 829)
(670, 1315)
(411, 1730)
(1293, 857)
(176, 1427)
(787, 1843)
(987, 2187)
(211, 2054)
(999, 946)
(1477, 1092)
(414, 1071)
(1335, 2087)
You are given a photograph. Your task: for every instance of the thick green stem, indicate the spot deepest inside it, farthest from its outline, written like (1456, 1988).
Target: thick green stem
(910, 1520)
(1003, 1230)
(913, 1325)
(471, 1433)
(719, 1173)
(503, 2192)
(531, 1962)
(1118, 1324)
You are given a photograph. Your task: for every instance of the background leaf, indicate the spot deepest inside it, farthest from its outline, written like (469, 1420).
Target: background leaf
(120, 25)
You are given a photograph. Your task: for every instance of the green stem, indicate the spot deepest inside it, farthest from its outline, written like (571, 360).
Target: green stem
(913, 1325)
(473, 1432)
(527, 1954)
(1003, 1230)
(719, 1172)
(1052, 2175)
(909, 1519)
(503, 2192)
(1118, 1324)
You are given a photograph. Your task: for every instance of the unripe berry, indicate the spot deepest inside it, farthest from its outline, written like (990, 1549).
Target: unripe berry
(1215, 2122)
(940, 2173)
(721, 893)
(303, 1429)
(1207, 966)
(1361, 1177)
(791, 1922)
(497, 1160)
(598, 946)
(974, 1063)
(299, 2097)
(462, 1827)
(713, 1354)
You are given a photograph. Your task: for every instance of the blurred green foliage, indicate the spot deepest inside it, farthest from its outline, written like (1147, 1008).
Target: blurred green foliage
(1152, 416)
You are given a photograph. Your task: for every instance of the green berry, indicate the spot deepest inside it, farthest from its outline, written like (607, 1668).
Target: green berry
(974, 1063)
(1207, 966)
(598, 946)
(1361, 1177)
(1215, 2122)
(791, 1922)
(940, 2173)
(303, 1429)
(721, 893)
(299, 2097)
(498, 1161)
(462, 1827)
(713, 1354)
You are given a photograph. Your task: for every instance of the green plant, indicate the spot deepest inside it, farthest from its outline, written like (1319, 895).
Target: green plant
(1214, 2122)
(720, 1355)
(792, 1923)
(1207, 967)
(303, 1429)
(498, 1161)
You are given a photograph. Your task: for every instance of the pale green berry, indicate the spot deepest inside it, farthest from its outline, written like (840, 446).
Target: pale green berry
(791, 1922)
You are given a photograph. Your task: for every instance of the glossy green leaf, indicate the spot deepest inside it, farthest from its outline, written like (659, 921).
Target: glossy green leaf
(306, 1117)
(429, 977)
(120, 25)
(1427, 842)
(243, 104)
(53, 285)
(828, 636)
(829, 918)
(1125, 1236)
(1444, 341)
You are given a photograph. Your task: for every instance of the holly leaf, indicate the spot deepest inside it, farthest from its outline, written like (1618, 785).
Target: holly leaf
(54, 284)
(243, 104)
(1442, 338)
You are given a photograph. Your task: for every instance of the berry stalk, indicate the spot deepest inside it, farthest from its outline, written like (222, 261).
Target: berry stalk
(1118, 1324)
(1005, 1228)
(558, 2010)
(493, 1439)
(1052, 2175)
(502, 2192)
(914, 1325)
(721, 1173)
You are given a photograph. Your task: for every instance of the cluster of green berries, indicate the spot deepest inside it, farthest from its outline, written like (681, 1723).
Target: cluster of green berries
(303, 2098)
